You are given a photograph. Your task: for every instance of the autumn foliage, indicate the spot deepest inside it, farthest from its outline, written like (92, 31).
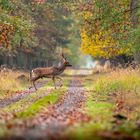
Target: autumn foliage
(6, 31)
(109, 28)
(98, 45)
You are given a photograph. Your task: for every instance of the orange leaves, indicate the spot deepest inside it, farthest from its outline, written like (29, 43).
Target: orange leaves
(6, 31)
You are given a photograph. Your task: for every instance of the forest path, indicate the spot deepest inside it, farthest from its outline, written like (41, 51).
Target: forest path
(47, 113)
(52, 121)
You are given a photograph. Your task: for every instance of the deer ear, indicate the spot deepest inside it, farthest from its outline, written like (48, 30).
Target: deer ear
(63, 57)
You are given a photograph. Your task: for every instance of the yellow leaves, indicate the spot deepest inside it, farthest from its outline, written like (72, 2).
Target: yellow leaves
(85, 15)
(105, 29)
(100, 45)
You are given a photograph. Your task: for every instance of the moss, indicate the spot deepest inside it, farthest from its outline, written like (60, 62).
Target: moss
(52, 97)
(38, 105)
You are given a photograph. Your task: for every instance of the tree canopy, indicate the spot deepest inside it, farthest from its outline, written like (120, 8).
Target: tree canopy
(37, 29)
(34, 27)
(109, 27)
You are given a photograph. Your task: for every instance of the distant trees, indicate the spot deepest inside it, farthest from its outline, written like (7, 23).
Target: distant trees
(30, 32)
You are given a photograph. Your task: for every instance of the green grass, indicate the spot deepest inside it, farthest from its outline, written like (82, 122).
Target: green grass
(38, 105)
(24, 103)
(117, 81)
(100, 105)
(97, 104)
(32, 104)
(101, 113)
(28, 100)
(101, 109)
(83, 132)
(51, 98)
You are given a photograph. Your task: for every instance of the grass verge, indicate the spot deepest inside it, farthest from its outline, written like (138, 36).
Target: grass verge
(31, 105)
(11, 82)
(41, 103)
(108, 94)
(38, 97)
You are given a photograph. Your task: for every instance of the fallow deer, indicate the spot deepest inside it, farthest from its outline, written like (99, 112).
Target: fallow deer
(49, 72)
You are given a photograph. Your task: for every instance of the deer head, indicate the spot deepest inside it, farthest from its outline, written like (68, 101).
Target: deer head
(66, 63)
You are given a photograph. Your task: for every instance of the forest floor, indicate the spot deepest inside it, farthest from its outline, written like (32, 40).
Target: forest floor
(87, 106)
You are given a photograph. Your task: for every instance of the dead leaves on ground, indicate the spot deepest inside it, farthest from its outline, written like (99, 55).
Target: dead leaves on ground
(61, 114)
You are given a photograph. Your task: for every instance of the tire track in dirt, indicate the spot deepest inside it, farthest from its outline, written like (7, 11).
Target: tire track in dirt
(51, 123)
(20, 95)
(27, 101)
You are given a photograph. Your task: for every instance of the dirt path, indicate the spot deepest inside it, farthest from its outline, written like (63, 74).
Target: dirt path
(51, 122)
(22, 94)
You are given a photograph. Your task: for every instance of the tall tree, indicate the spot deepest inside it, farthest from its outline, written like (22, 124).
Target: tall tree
(107, 29)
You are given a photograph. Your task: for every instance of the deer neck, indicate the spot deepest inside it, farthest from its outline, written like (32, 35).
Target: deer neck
(62, 67)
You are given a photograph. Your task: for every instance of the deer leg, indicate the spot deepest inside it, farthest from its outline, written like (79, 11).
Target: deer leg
(33, 82)
(34, 85)
(30, 79)
(53, 78)
(60, 79)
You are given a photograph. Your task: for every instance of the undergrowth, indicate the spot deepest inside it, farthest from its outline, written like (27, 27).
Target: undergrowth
(10, 83)
(116, 92)
(121, 80)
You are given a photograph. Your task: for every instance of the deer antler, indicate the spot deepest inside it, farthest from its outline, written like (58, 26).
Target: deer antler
(63, 57)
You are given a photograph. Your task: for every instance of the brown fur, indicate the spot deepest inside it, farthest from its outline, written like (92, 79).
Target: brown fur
(49, 72)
